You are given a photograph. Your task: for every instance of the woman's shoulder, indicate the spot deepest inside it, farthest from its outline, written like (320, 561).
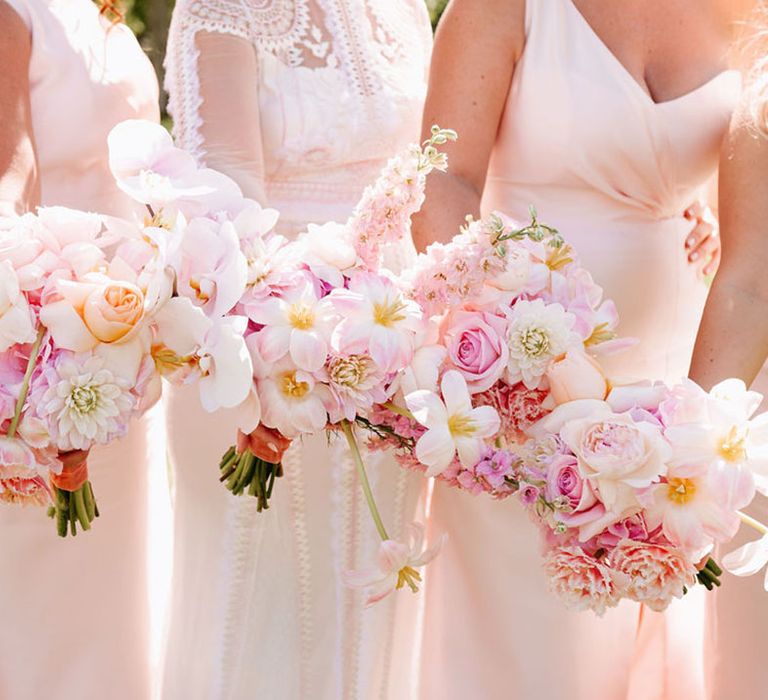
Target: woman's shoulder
(15, 10)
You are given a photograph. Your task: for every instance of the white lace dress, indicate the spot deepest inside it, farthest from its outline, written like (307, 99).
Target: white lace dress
(301, 101)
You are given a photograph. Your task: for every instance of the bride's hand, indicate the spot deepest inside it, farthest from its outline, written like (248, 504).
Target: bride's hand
(265, 443)
(703, 242)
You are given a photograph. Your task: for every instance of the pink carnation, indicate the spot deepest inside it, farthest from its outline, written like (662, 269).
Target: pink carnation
(581, 581)
(518, 407)
(655, 573)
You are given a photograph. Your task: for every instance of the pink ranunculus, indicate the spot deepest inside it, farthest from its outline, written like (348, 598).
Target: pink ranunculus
(576, 376)
(581, 581)
(477, 348)
(655, 573)
(565, 484)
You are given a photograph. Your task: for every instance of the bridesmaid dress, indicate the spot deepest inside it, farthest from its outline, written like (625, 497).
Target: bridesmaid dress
(321, 94)
(75, 612)
(614, 171)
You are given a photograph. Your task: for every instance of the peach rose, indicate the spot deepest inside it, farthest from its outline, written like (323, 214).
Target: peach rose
(576, 376)
(95, 310)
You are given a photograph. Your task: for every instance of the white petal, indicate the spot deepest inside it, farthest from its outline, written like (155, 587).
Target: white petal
(427, 408)
(181, 325)
(455, 393)
(469, 450)
(436, 450)
(749, 559)
(487, 421)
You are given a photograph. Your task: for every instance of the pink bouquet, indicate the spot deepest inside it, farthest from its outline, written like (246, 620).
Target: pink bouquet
(78, 303)
(631, 486)
(301, 336)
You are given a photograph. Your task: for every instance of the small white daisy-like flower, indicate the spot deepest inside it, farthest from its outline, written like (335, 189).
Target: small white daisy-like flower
(537, 334)
(86, 403)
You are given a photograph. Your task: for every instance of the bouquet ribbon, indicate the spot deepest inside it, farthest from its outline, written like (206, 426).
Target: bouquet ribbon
(74, 474)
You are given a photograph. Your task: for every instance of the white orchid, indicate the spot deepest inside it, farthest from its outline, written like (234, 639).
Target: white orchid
(749, 559)
(453, 425)
(211, 269)
(152, 171)
(215, 350)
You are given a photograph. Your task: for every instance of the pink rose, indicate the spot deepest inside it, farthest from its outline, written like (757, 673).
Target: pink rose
(654, 573)
(566, 485)
(476, 348)
(581, 581)
(576, 376)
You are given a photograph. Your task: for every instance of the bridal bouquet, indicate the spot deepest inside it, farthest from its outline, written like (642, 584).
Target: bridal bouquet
(631, 486)
(512, 313)
(633, 492)
(78, 299)
(302, 336)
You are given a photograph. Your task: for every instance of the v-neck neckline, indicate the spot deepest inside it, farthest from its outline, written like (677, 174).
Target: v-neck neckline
(642, 89)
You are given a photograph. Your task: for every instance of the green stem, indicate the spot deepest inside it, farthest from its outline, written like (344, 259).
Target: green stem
(404, 412)
(25, 384)
(349, 433)
(755, 524)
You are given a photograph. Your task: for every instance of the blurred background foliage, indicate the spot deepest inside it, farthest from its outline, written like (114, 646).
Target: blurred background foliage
(149, 20)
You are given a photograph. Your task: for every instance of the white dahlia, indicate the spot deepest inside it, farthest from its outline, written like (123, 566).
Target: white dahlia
(85, 403)
(537, 334)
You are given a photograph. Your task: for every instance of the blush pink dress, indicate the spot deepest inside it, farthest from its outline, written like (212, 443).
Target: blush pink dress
(75, 617)
(583, 142)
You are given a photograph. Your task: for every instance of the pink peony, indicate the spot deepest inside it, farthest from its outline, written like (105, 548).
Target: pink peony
(655, 573)
(477, 348)
(22, 474)
(581, 581)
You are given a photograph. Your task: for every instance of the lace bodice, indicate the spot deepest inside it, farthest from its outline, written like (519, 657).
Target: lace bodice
(336, 87)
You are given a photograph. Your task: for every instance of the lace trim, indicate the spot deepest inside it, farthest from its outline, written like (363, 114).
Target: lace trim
(293, 474)
(244, 532)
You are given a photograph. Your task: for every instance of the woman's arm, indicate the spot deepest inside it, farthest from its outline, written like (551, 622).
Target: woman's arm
(733, 336)
(229, 113)
(19, 186)
(476, 49)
